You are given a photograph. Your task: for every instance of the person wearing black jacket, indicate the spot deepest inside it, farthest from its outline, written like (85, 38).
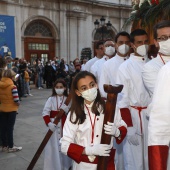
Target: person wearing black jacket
(48, 75)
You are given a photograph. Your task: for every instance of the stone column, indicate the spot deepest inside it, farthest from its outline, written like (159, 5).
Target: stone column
(76, 33)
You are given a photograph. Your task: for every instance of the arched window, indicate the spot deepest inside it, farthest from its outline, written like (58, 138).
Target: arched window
(38, 29)
(103, 34)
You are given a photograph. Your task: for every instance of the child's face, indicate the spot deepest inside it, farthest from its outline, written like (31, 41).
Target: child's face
(84, 84)
(59, 86)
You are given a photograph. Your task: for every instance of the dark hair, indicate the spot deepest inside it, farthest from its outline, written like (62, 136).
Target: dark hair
(63, 83)
(137, 32)
(159, 25)
(77, 106)
(62, 66)
(3, 63)
(98, 44)
(123, 33)
(2, 66)
(74, 61)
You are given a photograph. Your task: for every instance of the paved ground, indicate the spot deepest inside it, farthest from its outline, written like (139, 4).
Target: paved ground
(29, 131)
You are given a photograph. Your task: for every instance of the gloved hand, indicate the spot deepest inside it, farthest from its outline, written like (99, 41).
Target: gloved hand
(132, 136)
(111, 129)
(99, 149)
(52, 126)
(65, 108)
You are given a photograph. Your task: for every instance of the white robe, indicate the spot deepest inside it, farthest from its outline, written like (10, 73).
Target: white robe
(108, 76)
(97, 67)
(89, 63)
(150, 72)
(81, 135)
(109, 72)
(159, 122)
(134, 94)
(53, 158)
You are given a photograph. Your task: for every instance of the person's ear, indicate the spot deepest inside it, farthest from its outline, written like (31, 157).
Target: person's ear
(78, 93)
(156, 43)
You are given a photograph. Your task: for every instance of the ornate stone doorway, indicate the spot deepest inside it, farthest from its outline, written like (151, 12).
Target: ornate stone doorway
(39, 42)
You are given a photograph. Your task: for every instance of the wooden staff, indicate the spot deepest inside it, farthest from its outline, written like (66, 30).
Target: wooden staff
(112, 92)
(47, 136)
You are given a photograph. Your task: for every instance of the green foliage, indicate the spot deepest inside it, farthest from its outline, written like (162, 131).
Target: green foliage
(148, 15)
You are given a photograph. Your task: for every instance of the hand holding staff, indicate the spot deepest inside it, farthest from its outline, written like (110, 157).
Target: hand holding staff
(112, 92)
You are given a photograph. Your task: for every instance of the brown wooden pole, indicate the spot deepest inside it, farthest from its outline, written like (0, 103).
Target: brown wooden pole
(47, 136)
(110, 107)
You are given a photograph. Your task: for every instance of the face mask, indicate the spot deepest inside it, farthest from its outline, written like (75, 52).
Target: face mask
(59, 91)
(142, 50)
(164, 47)
(90, 94)
(109, 51)
(123, 49)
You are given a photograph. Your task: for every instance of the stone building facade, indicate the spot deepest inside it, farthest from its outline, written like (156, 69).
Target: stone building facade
(49, 28)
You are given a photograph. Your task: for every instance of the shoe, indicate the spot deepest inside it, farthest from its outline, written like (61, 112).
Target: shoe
(4, 149)
(14, 149)
(30, 94)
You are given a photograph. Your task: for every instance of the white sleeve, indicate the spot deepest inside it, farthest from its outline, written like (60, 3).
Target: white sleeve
(104, 79)
(47, 108)
(93, 70)
(87, 66)
(123, 96)
(149, 75)
(159, 122)
(69, 133)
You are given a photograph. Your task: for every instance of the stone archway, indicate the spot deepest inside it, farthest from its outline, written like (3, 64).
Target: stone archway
(40, 39)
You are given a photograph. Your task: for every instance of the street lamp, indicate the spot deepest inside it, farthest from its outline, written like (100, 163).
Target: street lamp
(102, 26)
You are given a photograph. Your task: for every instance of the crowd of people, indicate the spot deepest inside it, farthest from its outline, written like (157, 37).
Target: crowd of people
(140, 132)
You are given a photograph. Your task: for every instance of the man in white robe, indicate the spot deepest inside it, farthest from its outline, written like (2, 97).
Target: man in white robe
(133, 102)
(99, 54)
(151, 69)
(109, 52)
(108, 76)
(159, 126)
(110, 67)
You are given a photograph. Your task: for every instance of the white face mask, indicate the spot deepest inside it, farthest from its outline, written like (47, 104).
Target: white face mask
(164, 47)
(59, 91)
(109, 50)
(90, 94)
(123, 49)
(142, 50)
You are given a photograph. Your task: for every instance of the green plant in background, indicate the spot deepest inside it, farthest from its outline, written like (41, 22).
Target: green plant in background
(147, 13)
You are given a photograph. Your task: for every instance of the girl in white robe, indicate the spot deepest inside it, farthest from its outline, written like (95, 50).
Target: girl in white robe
(83, 127)
(53, 158)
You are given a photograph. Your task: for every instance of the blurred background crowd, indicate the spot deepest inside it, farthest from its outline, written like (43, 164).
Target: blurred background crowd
(41, 74)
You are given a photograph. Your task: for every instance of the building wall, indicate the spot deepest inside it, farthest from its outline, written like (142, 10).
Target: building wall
(72, 21)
